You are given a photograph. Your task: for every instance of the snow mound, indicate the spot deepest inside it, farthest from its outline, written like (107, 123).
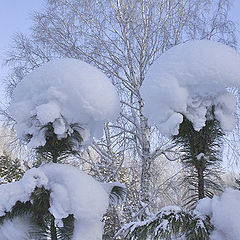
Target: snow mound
(224, 212)
(187, 80)
(63, 92)
(71, 192)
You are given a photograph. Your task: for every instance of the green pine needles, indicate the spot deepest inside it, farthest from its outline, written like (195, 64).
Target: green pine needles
(42, 221)
(201, 157)
(171, 222)
(10, 168)
(57, 149)
(36, 210)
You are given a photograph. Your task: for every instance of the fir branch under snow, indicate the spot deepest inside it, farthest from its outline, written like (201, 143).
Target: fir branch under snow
(71, 192)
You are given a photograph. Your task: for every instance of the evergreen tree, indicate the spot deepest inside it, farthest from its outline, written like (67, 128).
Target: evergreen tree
(170, 223)
(10, 169)
(201, 157)
(37, 208)
(55, 149)
(201, 152)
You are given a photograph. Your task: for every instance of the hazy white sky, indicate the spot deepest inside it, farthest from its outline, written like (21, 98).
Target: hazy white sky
(15, 16)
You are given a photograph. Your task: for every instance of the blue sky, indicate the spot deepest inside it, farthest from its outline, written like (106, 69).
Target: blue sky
(15, 16)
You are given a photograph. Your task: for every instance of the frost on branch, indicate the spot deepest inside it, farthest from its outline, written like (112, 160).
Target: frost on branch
(188, 80)
(64, 98)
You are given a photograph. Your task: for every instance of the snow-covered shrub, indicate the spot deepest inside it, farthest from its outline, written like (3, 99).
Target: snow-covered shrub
(215, 219)
(189, 79)
(64, 99)
(169, 223)
(68, 192)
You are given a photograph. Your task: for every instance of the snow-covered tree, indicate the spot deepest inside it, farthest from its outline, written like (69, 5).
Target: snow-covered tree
(12, 156)
(64, 104)
(58, 108)
(61, 201)
(122, 38)
(195, 108)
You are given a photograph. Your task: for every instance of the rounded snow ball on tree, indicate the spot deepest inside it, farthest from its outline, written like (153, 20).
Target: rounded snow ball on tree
(188, 80)
(63, 97)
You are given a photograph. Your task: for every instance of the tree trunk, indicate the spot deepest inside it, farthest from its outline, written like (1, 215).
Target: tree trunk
(201, 186)
(145, 180)
(146, 161)
(53, 230)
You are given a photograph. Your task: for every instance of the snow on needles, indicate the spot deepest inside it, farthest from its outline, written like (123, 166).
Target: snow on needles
(187, 80)
(71, 192)
(63, 92)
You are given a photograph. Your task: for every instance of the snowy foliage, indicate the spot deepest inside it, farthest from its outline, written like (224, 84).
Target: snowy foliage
(224, 212)
(71, 192)
(187, 80)
(171, 222)
(63, 92)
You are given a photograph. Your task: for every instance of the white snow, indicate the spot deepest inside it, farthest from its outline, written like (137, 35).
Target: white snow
(187, 80)
(224, 212)
(170, 209)
(63, 92)
(204, 206)
(200, 156)
(71, 192)
(16, 229)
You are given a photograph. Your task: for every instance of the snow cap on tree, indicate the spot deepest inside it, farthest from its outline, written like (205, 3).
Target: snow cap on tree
(71, 192)
(63, 93)
(189, 79)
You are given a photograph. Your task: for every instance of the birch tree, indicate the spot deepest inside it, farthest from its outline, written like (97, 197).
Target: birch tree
(122, 38)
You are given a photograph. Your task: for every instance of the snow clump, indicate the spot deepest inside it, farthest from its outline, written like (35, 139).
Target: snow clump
(63, 92)
(17, 229)
(71, 192)
(224, 213)
(188, 80)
